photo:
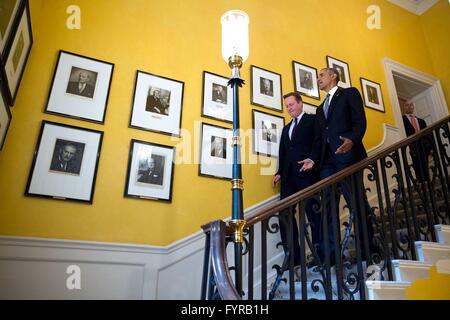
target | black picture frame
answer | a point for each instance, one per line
(150, 171)
(157, 114)
(372, 95)
(309, 108)
(217, 97)
(267, 129)
(5, 120)
(80, 87)
(9, 15)
(305, 80)
(65, 163)
(343, 69)
(216, 152)
(262, 79)
(15, 53)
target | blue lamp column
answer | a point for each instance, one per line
(235, 51)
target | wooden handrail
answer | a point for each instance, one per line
(224, 283)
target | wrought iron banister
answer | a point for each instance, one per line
(218, 231)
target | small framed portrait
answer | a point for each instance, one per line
(150, 171)
(342, 68)
(309, 108)
(8, 19)
(217, 100)
(372, 94)
(80, 87)
(65, 162)
(305, 80)
(5, 120)
(157, 104)
(216, 151)
(266, 89)
(267, 129)
(16, 39)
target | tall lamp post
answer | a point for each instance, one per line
(235, 52)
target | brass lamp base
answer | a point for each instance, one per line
(238, 227)
(235, 63)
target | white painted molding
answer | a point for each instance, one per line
(442, 232)
(409, 270)
(416, 7)
(35, 268)
(436, 92)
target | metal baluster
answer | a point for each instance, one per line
(251, 250)
(385, 165)
(337, 246)
(264, 259)
(302, 228)
(206, 258)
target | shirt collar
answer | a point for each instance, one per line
(332, 92)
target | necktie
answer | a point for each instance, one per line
(414, 123)
(326, 105)
(293, 129)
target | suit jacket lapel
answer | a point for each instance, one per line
(335, 98)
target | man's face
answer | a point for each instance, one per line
(151, 163)
(68, 152)
(326, 80)
(156, 94)
(266, 84)
(409, 107)
(293, 107)
(84, 77)
(218, 144)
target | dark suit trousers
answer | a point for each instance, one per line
(290, 186)
(331, 166)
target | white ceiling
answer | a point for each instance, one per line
(415, 6)
(408, 88)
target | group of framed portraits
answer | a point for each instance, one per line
(66, 157)
(305, 82)
(16, 40)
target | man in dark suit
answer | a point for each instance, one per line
(82, 87)
(64, 160)
(298, 143)
(341, 124)
(154, 102)
(413, 125)
(152, 175)
(219, 93)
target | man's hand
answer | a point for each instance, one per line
(275, 180)
(346, 146)
(307, 165)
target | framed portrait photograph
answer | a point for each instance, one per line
(266, 89)
(8, 18)
(342, 68)
(216, 151)
(17, 47)
(5, 120)
(305, 80)
(217, 102)
(150, 171)
(372, 94)
(65, 162)
(309, 108)
(80, 87)
(157, 104)
(267, 129)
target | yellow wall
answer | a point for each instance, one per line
(436, 28)
(435, 287)
(179, 39)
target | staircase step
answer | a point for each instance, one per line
(442, 233)
(387, 290)
(409, 271)
(431, 251)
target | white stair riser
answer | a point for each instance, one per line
(387, 294)
(443, 234)
(410, 274)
